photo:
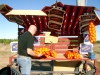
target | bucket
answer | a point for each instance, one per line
(91, 55)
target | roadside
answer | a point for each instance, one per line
(5, 53)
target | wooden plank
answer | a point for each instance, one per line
(37, 47)
(61, 47)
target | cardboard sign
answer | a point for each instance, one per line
(85, 48)
(50, 39)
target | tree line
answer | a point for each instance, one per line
(7, 41)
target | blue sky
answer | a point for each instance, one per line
(9, 30)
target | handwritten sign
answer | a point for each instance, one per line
(50, 39)
(85, 48)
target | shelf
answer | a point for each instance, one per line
(61, 57)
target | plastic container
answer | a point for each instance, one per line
(91, 55)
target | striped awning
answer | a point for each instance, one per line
(70, 23)
(71, 20)
(26, 18)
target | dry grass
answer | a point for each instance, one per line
(5, 53)
(96, 50)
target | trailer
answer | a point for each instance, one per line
(64, 29)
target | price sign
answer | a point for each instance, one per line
(50, 39)
(85, 48)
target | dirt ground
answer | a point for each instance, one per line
(5, 53)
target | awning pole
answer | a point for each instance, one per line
(18, 32)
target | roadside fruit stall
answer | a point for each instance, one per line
(65, 35)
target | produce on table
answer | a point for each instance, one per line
(72, 55)
(92, 32)
(46, 52)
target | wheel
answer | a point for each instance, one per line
(82, 69)
(91, 72)
(9, 71)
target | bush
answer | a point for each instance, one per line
(7, 41)
(97, 41)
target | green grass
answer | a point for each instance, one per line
(7, 41)
(97, 41)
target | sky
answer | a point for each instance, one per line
(9, 30)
